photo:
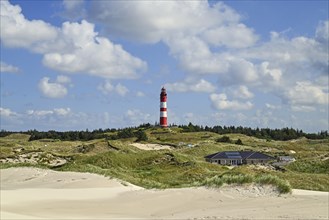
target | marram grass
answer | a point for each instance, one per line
(283, 186)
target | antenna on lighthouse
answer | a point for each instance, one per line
(163, 108)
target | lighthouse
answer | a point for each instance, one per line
(163, 108)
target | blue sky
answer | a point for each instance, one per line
(76, 65)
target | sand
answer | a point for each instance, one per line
(30, 193)
(151, 146)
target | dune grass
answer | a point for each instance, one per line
(185, 166)
(241, 179)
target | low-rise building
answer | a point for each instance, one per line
(238, 158)
(286, 159)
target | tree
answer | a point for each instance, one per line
(239, 142)
(141, 136)
(224, 139)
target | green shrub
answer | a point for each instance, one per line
(310, 166)
(238, 179)
(141, 136)
(282, 185)
(239, 142)
(213, 181)
(224, 139)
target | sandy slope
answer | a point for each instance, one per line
(151, 146)
(29, 193)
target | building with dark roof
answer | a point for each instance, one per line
(238, 158)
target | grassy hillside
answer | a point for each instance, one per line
(184, 164)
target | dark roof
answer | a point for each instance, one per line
(238, 155)
(211, 155)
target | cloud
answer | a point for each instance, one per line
(74, 9)
(273, 107)
(121, 90)
(63, 119)
(73, 48)
(107, 88)
(10, 119)
(302, 108)
(243, 93)
(240, 71)
(63, 79)
(195, 56)
(16, 31)
(136, 117)
(188, 28)
(306, 93)
(7, 68)
(52, 90)
(62, 111)
(44, 113)
(140, 94)
(153, 21)
(7, 113)
(186, 86)
(283, 53)
(270, 76)
(231, 36)
(94, 55)
(322, 33)
(220, 102)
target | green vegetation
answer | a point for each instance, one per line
(310, 166)
(111, 154)
(224, 139)
(283, 134)
(239, 179)
(282, 185)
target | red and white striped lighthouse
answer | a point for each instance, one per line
(163, 108)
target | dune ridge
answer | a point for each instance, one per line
(32, 193)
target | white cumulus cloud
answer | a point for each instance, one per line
(63, 79)
(140, 94)
(62, 111)
(136, 117)
(17, 31)
(242, 92)
(92, 54)
(231, 36)
(322, 32)
(306, 93)
(220, 102)
(73, 48)
(52, 90)
(43, 113)
(194, 86)
(152, 21)
(7, 68)
(74, 9)
(107, 88)
(7, 113)
(273, 107)
(188, 28)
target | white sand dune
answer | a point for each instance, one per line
(151, 146)
(29, 193)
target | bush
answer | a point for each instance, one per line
(310, 166)
(238, 179)
(213, 181)
(239, 142)
(224, 139)
(141, 136)
(282, 185)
